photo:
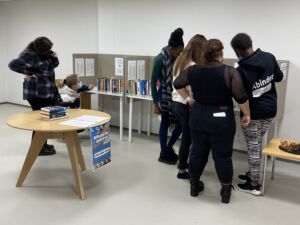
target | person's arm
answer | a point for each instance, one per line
(183, 92)
(182, 80)
(156, 72)
(245, 120)
(54, 59)
(83, 88)
(278, 74)
(23, 64)
(240, 95)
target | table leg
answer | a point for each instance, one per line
(273, 167)
(75, 162)
(121, 118)
(140, 118)
(34, 150)
(149, 118)
(79, 151)
(130, 121)
(264, 175)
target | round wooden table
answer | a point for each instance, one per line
(52, 129)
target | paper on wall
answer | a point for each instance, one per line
(141, 69)
(119, 66)
(90, 67)
(79, 66)
(131, 70)
(283, 68)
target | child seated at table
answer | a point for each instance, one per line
(69, 90)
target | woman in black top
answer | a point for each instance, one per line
(212, 121)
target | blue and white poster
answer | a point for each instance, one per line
(100, 145)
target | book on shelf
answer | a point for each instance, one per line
(139, 87)
(113, 84)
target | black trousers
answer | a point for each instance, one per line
(182, 113)
(215, 133)
(38, 103)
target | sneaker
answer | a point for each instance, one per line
(47, 150)
(226, 193)
(184, 175)
(243, 178)
(248, 188)
(196, 187)
(167, 159)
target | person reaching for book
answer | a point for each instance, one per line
(69, 90)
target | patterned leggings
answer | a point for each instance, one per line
(254, 134)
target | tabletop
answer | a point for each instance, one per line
(33, 121)
(273, 149)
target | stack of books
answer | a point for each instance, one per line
(140, 87)
(54, 112)
(113, 85)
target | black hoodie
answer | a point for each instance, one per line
(259, 72)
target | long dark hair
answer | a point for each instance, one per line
(41, 45)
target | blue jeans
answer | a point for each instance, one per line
(166, 145)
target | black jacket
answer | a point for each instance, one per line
(259, 72)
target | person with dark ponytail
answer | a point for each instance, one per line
(212, 121)
(162, 96)
(37, 62)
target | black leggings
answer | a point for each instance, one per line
(182, 113)
(211, 132)
(38, 103)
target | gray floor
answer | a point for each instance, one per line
(133, 189)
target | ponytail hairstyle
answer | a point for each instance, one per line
(192, 52)
(213, 50)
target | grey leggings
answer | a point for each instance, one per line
(254, 134)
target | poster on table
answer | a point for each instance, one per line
(101, 148)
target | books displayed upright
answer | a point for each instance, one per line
(139, 87)
(53, 112)
(113, 85)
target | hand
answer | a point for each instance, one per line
(245, 121)
(156, 109)
(91, 86)
(27, 77)
(191, 102)
(53, 54)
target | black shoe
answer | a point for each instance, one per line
(244, 178)
(196, 187)
(49, 146)
(226, 192)
(166, 158)
(172, 154)
(248, 188)
(184, 175)
(47, 150)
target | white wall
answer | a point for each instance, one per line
(143, 27)
(2, 53)
(70, 24)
